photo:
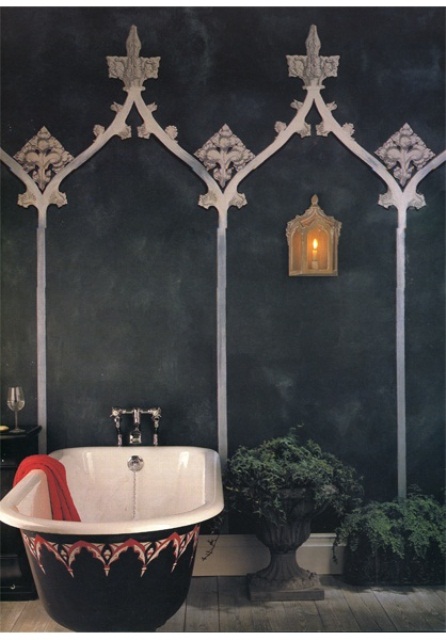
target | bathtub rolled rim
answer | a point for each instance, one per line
(10, 515)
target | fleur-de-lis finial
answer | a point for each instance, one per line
(132, 69)
(313, 68)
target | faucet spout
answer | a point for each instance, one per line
(135, 435)
(116, 415)
(156, 415)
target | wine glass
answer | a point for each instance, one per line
(16, 402)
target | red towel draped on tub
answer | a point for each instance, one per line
(62, 505)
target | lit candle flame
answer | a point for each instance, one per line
(315, 262)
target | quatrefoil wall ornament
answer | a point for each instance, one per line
(223, 153)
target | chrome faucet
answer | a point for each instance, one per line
(116, 415)
(136, 434)
(156, 415)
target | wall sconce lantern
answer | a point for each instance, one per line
(313, 243)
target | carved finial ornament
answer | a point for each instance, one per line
(407, 150)
(133, 70)
(313, 68)
(223, 153)
(44, 156)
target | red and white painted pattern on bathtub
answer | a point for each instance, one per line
(109, 552)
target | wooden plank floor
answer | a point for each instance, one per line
(221, 604)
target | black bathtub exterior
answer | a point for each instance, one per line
(128, 582)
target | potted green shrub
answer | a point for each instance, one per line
(398, 542)
(282, 485)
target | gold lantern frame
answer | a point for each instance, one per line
(313, 243)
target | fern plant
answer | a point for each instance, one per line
(415, 523)
(269, 481)
(401, 541)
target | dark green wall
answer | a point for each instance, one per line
(131, 259)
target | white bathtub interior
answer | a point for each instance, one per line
(177, 486)
(172, 481)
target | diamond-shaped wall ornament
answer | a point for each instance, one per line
(44, 156)
(403, 152)
(223, 153)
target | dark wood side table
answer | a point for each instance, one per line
(16, 582)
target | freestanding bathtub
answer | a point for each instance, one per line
(127, 565)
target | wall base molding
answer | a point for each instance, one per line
(237, 555)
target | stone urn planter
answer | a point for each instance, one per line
(283, 578)
(282, 485)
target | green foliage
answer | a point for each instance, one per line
(267, 481)
(410, 526)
